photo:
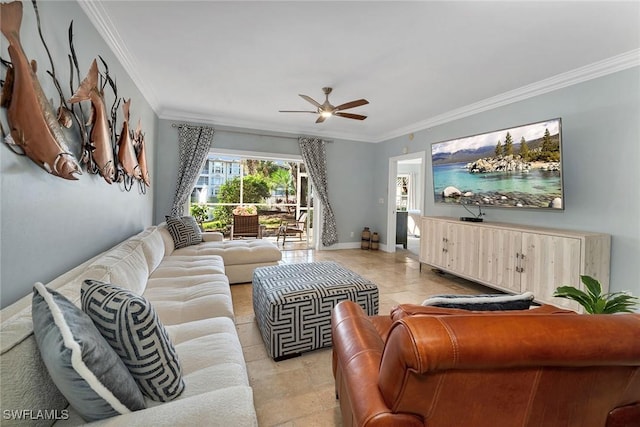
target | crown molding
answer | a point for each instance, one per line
(589, 72)
(101, 21)
(182, 116)
(103, 24)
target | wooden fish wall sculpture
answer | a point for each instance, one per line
(100, 148)
(138, 139)
(35, 129)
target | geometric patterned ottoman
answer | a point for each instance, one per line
(293, 304)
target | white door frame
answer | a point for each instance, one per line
(391, 195)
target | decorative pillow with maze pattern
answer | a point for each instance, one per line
(82, 365)
(488, 302)
(131, 326)
(184, 230)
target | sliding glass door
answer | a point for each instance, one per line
(278, 188)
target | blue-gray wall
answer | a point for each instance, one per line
(601, 155)
(48, 224)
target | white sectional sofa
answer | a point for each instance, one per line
(240, 257)
(191, 295)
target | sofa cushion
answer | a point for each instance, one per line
(488, 302)
(236, 252)
(184, 230)
(152, 246)
(179, 266)
(184, 299)
(126, 265)
(211, 354)
(81, 363)
(131, 326)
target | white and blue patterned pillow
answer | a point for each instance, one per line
(131, 326)
(184, 231)
(83, 366)
(489, 302)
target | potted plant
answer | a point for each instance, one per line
(594, 301)
(246, 210)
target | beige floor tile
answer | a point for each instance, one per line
(299, 392)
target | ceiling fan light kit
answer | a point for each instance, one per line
(326, 110)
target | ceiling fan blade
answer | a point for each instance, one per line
(311, 100)
(350, 116)
(352, 104)
(321, 119)
(297, 111)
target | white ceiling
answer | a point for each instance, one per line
(419, 63)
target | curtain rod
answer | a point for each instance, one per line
(177, 125)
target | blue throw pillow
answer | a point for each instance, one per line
(489, 302)
(83, 366)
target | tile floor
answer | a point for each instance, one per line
(300, 391)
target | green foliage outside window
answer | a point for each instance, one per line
(255, 190)
(200, 212)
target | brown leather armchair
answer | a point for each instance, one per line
(436, 367)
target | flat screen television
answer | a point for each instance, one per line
(518, 167)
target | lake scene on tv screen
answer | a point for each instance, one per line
(519, 167)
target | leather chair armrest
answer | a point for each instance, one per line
(625, 416)
(357, 351)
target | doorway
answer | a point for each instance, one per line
(405, 202)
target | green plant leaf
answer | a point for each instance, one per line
(620, 302)
(572, 293)
(599, 307)
(593, 286)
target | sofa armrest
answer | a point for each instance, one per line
(231, 406)
(212, 236)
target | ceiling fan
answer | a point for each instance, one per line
(327, 110)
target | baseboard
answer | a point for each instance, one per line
(337, 246)
(351, 245)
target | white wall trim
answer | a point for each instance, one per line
(103, 24)
(588, 72)
(338, 246)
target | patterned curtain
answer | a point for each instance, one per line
(195, 142)
(315, 158)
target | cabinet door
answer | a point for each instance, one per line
(462, 249)
(432, 242)
(549, 262)
(499, 258)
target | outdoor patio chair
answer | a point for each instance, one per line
(246, 226)
(288, 228)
